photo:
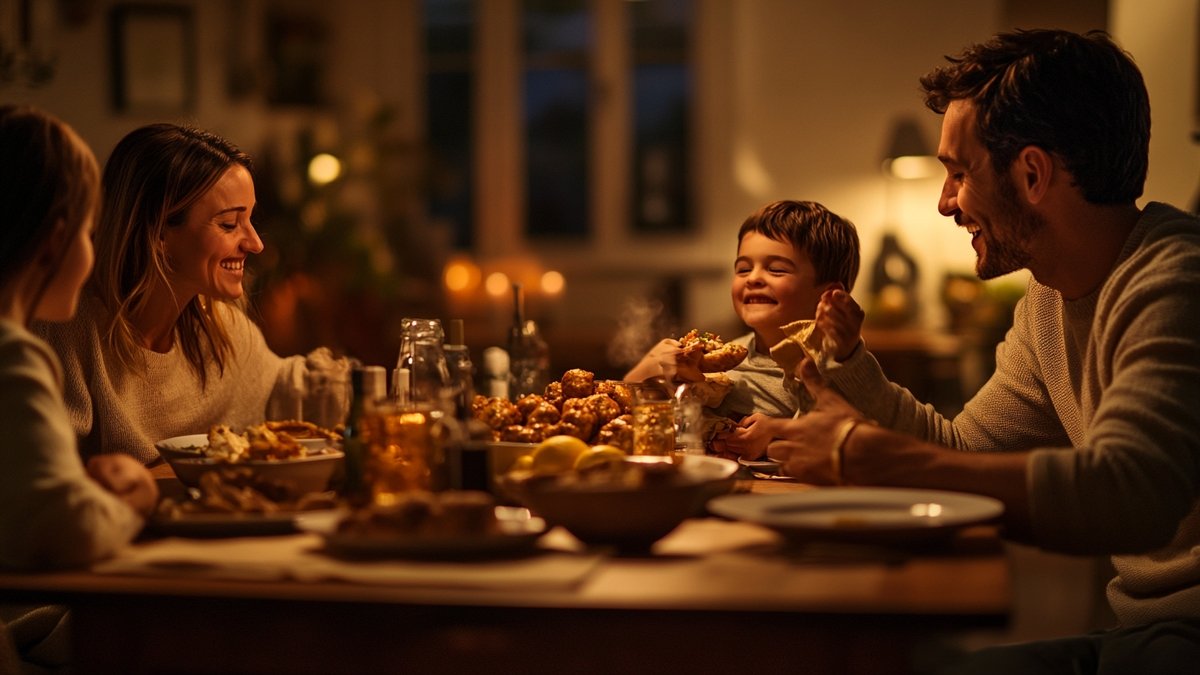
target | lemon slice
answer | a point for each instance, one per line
(599, 455)
(557, 454)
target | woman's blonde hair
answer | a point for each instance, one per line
(47, 175)
(151, 180)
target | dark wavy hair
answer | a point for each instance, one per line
(830, 240)
(1080, 97)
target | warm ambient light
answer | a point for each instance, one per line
(553, 283)
(497, 284)
(324, 169)
(911, 167)
(460, 275)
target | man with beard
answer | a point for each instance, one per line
(1089, 430)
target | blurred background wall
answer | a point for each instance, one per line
(439, 114)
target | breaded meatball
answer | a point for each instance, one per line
(528, 403)
(578, 383)
(544, 413)
(618, 432)
(534, 433)
(617, 391)
(574, 404)
(554, 394)
(512, 433)
(603, 407)
(500, 413)
(577, 422)
(478, 403)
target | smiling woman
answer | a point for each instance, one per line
(162, 345)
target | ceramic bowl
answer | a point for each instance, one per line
(310, 473)
(194, 446)
(628, 518)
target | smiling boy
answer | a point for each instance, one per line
(789, 253)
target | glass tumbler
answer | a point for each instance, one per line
(404, 451)
(653, 421)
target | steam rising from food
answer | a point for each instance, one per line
(642, 324)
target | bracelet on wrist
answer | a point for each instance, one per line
(837, 455)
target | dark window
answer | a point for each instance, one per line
(557, 41)
(449, 47)
(662, 99)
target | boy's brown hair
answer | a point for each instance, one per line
(830, 240)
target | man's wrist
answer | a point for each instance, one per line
(837, 455)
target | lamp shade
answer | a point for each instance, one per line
(908, 155)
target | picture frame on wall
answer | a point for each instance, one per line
(152, 51)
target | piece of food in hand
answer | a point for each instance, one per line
(712, 391)
(718, 355)
(801, 338)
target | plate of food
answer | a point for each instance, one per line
(275, 455)
(456, 524)
(235, 502)
(889, 515)
(270, 439)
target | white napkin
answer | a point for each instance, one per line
(298, 557)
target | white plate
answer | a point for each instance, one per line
(518, 532)
(860, 514)
(764, 465)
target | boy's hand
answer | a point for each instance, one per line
(750, 438)
(126, 478)
(670, 360)
(840, 318)
(651, 365)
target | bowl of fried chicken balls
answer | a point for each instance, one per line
(579, 405)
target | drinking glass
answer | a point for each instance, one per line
(653, 420)
(404, 450)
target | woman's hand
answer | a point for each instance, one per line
(126, 478)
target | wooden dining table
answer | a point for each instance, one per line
(713, 596)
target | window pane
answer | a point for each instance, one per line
(662, 115)
(449, 29)
(557, 39)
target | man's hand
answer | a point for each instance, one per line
(840, 318)
(125, 477)
(807, 441)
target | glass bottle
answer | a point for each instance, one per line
(467, 453)
(428, 372)
(462, 370)
(354, 485)
(413, 331)
(529, 356)
(517, 361)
